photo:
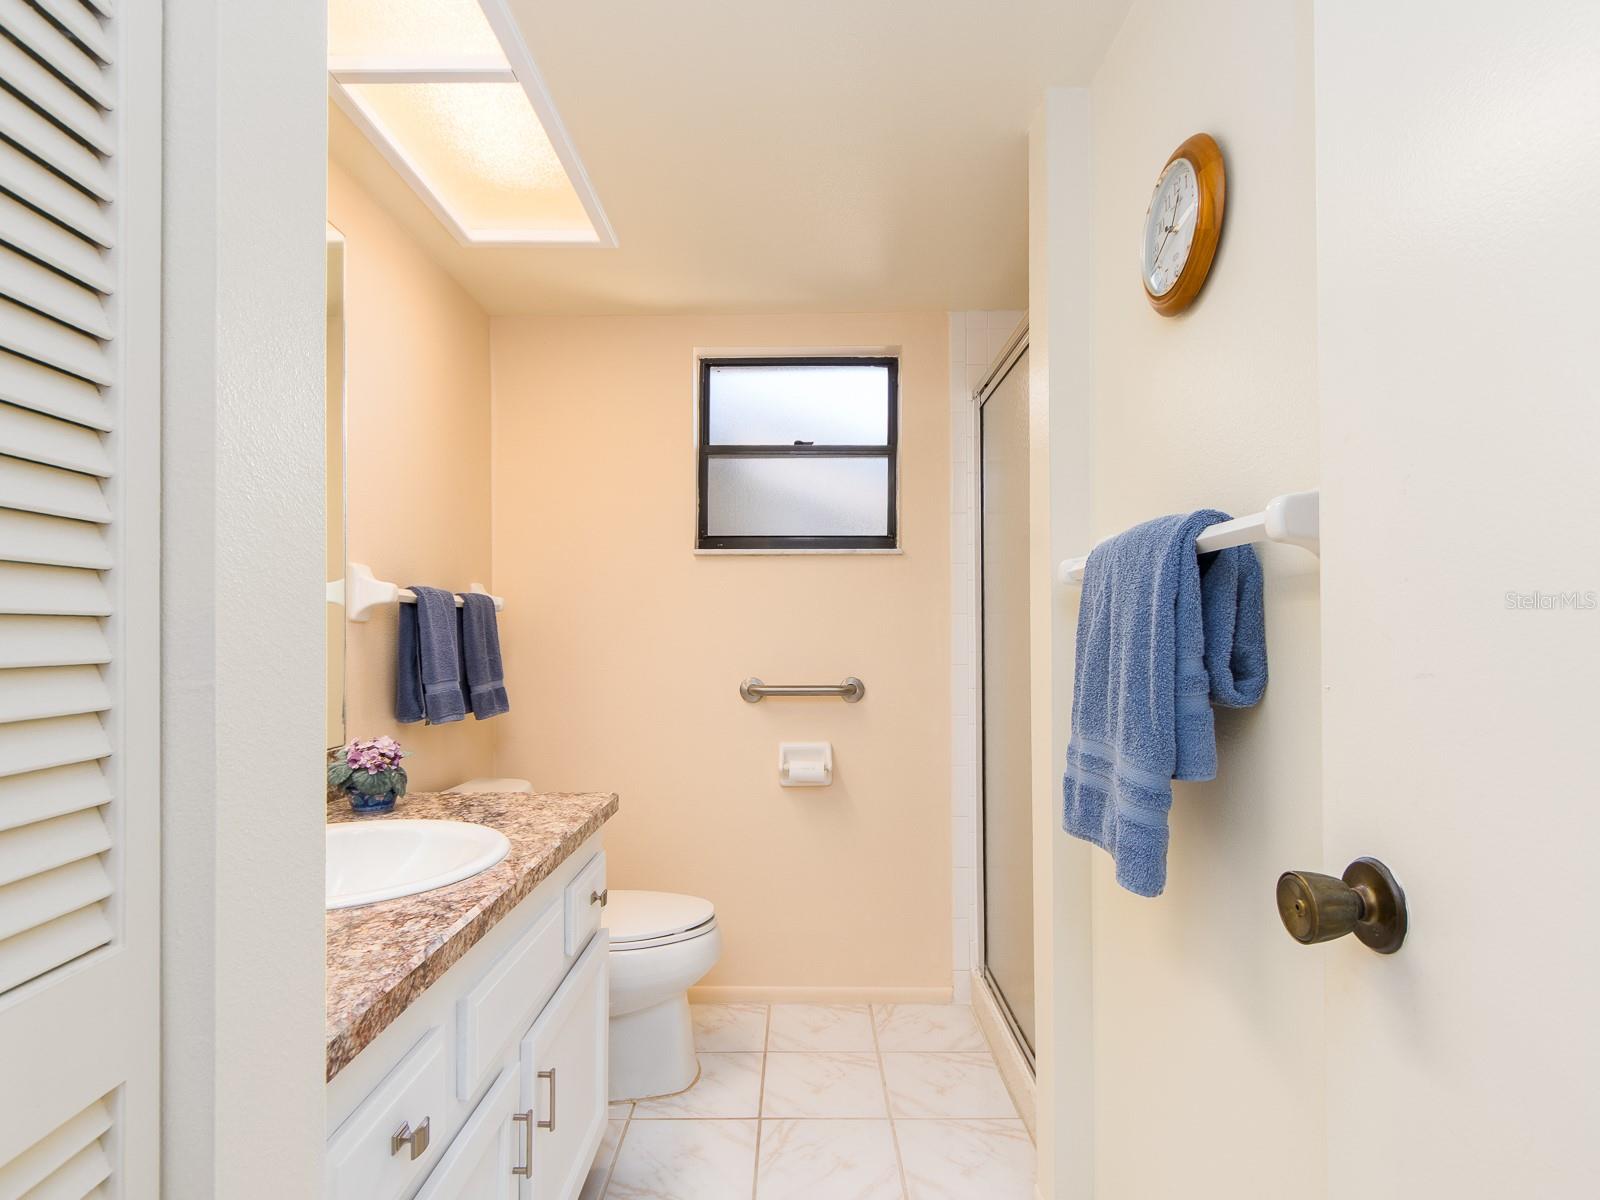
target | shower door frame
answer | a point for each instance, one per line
(1002, 366)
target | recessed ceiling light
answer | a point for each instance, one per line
(448, 92)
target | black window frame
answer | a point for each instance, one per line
(890, 452)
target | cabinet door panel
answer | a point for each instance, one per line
(478, 1164)
(564, 1074)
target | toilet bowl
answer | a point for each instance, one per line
(661, 945)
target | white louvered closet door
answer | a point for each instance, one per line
(80, 303)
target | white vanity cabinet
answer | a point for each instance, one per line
(500, 1064)
(564, 1077)
(481, 1163)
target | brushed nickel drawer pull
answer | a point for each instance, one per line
(551, 1076)
(417, 1138)
(526, 1169)
(600, 898)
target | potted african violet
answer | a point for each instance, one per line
(368, 771)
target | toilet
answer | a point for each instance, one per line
(661, 945)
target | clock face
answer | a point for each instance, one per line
(1169, 227)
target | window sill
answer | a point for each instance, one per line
(780, 552)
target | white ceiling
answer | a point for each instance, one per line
(781, 155)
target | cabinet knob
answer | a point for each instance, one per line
(600, 898)
(417, 1138)
(1366, 902)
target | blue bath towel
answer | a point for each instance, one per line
(1161, 635)
(482, 674)
(427, 678)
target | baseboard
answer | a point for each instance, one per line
(1014, 1067)
(819, 995)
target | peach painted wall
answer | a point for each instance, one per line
(624, 650)
(417, 390)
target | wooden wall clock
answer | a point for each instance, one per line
(1182, 225)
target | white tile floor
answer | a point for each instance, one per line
(825, 1102)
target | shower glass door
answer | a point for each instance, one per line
(1007, 803)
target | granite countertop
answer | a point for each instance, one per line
(382, 956)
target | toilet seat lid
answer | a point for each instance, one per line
(642, 916)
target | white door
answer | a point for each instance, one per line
(492, 1145)
(80, 422)
(564, 1077)
(1457, 198)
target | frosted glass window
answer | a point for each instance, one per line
(798, 454)
(781, 404)
(797, 497)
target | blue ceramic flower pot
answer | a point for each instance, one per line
(362, 803)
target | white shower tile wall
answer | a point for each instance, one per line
(976, 339)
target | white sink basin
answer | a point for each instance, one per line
(381, 860)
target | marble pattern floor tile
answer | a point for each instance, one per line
(967, 1160)
(685, 1160)
(720, 1028)
(949, 1027)
(594, 1187)
(823, 1085)
(824, 1102)
(729, 1086)
(828, 1160)
(959, 1086)
(837, 1027)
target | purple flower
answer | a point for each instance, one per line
(373, 754)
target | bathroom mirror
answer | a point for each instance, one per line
(335, 490)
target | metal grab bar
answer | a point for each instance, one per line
(850, 691)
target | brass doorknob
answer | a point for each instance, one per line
(1366, 902)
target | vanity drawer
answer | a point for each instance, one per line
(364, 1162)
(498, 1008)
(585, 898)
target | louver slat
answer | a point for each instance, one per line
(35, 387)
(35, 641)
(53, 944)
(41, 795)
(32, 850)
(41, 137)
(56, 247)
(54, 295)
(35, 1166)
(29, 538)
(35, 693)
(25, 332)
(57, 199)
(63, 55)
(67, 106)
(35, 745)
(82, 26)
(42, 439)
(52, 591)
(29, 486)
(42, 898)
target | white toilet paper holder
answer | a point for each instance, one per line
(805, 764)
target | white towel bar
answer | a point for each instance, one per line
(1292, 519)
(362, 592)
